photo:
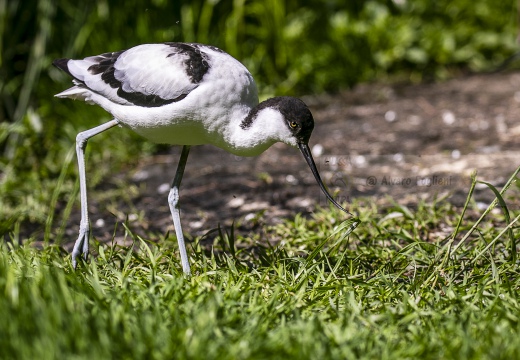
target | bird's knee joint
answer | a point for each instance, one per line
(84, 227)
(81, 140)
(173, 196)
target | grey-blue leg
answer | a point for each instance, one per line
(81, 245)
(173, 201)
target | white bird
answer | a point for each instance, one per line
(183, 94)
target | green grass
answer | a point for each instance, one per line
(431, 282)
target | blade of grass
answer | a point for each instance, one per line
(489, 208)
(505, 210)
(464, 209)
(504, 230)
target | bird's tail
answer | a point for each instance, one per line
(78, 92)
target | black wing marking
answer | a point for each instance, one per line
(146, 75)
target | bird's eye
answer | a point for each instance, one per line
(294, 124)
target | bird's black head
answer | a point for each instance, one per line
(300, 122)
(298, 118)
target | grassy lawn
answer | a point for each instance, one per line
(431, 282)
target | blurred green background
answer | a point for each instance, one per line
(291, 47)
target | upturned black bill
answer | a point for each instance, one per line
(304, 148)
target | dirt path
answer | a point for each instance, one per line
(409, 142)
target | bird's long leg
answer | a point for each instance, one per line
(81, 245)
(173, 201)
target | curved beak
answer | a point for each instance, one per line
(304, 148)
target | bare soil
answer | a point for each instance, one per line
(379, 142)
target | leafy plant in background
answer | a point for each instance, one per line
(291, 47)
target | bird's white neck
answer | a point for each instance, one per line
(255, 132)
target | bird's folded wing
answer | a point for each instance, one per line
(146, 75)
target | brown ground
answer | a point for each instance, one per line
(408, 141)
